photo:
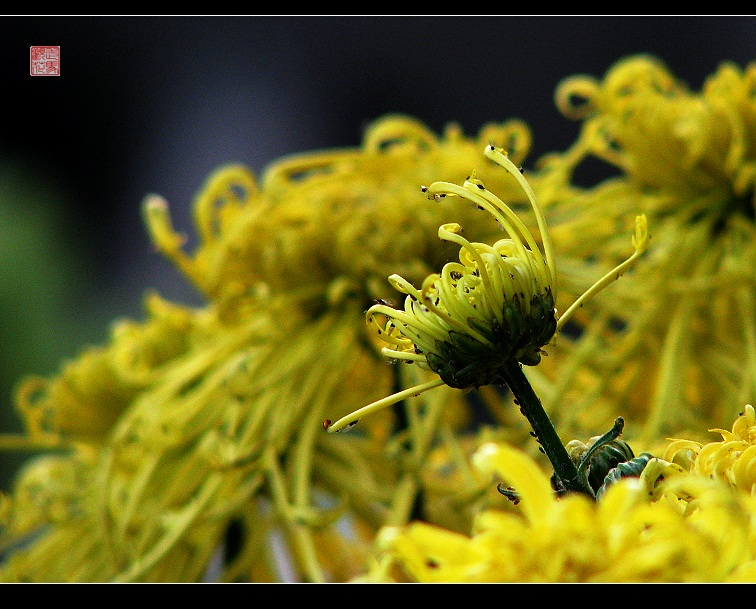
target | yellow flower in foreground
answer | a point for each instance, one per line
(667, 525)
(675, 349)
(192, 440)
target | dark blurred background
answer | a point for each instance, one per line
(154, 104)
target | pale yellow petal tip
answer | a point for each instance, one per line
(158, 220)
(494, 152)
(386, 537)
(451, 228)
(485, 458)
(350, 420)
(156, 212)
(641, 237)
(154, 201)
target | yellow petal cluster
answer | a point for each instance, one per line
(733, 460)
(495, 303)
(667, 525)
(347, 217)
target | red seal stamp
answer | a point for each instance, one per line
(44, 61)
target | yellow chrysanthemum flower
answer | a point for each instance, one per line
(478, 321)
(198, 431)
(666, 525)
(676, 349)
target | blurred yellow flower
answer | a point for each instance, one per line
(193, 439)
(675, 349)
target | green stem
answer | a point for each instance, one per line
(565, 470)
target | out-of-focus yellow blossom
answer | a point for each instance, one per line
(194, 438)
(81, 404)
(675, 349)
(669, 524)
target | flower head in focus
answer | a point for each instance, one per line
(503, 291)
(491, 310)
(496, 303)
